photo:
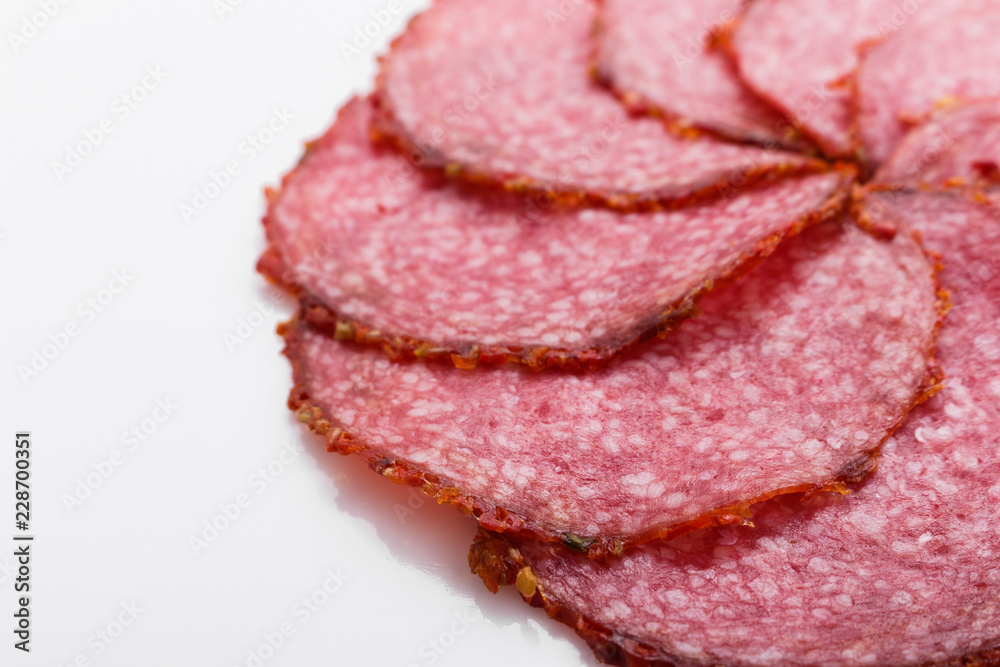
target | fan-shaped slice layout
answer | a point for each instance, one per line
(936, 55)
(659, 56)
(423, 266)
(903, 572)
(501, 92)
(789, 380)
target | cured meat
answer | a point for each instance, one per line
(957, 147)
(798, 54)
(388, 254)
(906, 571)
(787, 381)
(939, 53)
(658, 56)
(500, 92)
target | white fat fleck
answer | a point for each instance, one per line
(902, 599)
(676, 499)
(820, 565)
(639, 479)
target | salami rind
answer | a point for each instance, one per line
(658, 56)
(903, 572)
(938, 54)
(788, 381)
(799, 55)
(958, 147)
(499, 92)
(385, 254)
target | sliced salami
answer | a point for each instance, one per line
(659, 57)
(500, 92)
(798, 54)
(959, 147)
(788, 381)
(427, 267)
(936, 54)
(906, 571)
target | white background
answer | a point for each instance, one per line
(164, 337)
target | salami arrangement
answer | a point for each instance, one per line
(460, 90)
(686, 433)
(903, 571)
(693, 307)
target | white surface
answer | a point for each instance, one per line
(163, 337)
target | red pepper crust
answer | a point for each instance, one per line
(498, 563)
(397, 347)
(495, 518)
(387, 129)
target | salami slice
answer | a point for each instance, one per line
(500, 92)
(906, 571)
(958, 147)
(388, 254)
(789, 380)
(658, 56)
(798, 54)
(938, 53)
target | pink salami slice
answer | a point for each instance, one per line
(658, 56)
(500, 92)
(937, 53)
(788, 380)
(957, 147)
(906, 571)
(798, 54)
(391, 255)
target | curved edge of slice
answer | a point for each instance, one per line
(862, 208)
(386, 129)
(786, 136)
(468, 356)
(495, 518)
(498, 562)
(937, 138)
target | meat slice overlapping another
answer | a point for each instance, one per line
(426, 267)
(801, 54)
(789, 380)
(957, 147)
(659, 56)
(935, 54)
(500, 92)
(905, 571)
